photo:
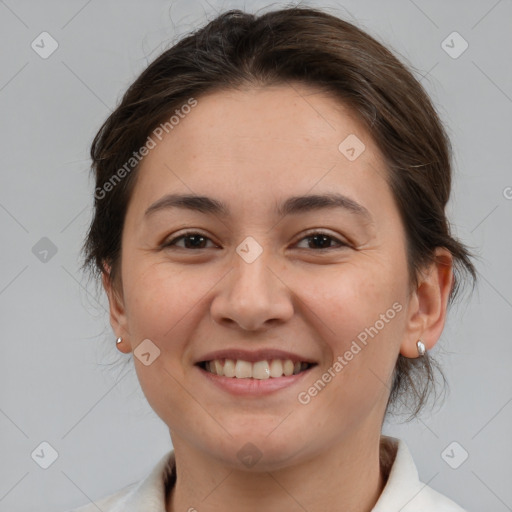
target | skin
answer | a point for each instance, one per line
(252, 148)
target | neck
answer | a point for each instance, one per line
(346, 477)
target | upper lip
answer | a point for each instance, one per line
(254, 355)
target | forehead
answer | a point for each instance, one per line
(275, 140)
(237, 123)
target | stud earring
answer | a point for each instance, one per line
(421, 348)
(119, 340)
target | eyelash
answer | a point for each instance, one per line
(312, 234)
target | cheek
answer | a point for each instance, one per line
(162, 305)
(158, 299)
(361, 312)
(353, 297)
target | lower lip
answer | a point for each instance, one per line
(250, 386)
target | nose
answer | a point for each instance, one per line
(252, 296)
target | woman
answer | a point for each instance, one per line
(270, 230)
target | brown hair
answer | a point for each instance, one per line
(308, 46)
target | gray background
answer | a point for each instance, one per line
(62, 379)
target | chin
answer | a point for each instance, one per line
(257, 450)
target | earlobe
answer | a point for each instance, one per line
(116, 306)
(428, 305)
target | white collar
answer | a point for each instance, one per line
(403, 491)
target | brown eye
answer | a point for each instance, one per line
(192, 240)
(321, 241)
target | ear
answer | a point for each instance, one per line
(118, 319)
(428, 304)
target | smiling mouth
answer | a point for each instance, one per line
(261, 370)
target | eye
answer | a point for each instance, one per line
(193, 240)
(323, 239)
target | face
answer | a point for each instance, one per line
(265, 278)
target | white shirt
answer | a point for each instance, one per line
(403, 492)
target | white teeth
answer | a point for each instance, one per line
(218, 369)
(260, 370)
(288, 367)
(243, 369)
(229, 368)
(276, 368)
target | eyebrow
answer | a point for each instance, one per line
(291, 206)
